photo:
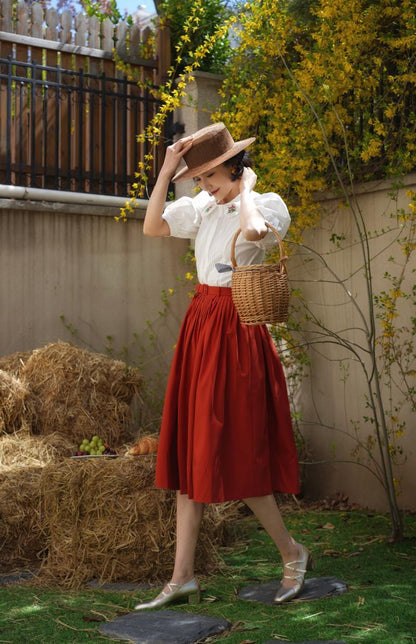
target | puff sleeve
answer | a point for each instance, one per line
(275, 212)
(184, 215)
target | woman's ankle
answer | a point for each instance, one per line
(292, 552)
(182, 577)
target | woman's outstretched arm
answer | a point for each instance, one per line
(154, 224)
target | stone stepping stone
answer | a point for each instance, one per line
(15, 578)
(316, 588)
(164, 627)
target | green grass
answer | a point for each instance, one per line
(378, 608)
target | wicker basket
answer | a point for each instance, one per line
(261, 291)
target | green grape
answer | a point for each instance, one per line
(94, 447)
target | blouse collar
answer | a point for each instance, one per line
(229, 207)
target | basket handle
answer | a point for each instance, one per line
(283, 255)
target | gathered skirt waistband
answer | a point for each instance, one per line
(204, 289)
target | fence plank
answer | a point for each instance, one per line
(37, 20)
(66, 24)
(107, 35)
(80, 29)
(121, 40)
(94, 32)
(52, 21)
(6, 15)
(22, 24)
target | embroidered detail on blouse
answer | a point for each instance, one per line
(232, 208)
(210, 207)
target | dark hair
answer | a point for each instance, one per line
(238, 163)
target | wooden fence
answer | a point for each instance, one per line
(69, 118)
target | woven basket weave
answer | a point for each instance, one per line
(260, 292)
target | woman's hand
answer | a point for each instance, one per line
(251, 221)
(154, 225)
(174, 154)
(248, 180)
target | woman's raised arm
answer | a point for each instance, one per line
(154, 224)
(251, 221)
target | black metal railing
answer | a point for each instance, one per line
(71, 130)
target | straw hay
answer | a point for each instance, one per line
(106, 520)
(80, 393)
(15, 362)
(18, 451)
(83, 518)
(21, 534)
(22, 458)
(17, 409)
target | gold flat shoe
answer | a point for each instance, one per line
(298, 568)
(174, 592)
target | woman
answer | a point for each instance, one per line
(226, 430)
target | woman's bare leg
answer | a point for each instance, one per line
(267, 511)
(188, 522)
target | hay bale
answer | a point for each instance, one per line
(22, 457)
(17, 408)
(105, 520)
(18, 450)
(15, 362)
(80, 393)
(21, 534)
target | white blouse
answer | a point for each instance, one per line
(213, 226)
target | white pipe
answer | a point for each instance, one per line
(83, 198)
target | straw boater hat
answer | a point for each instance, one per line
(211, 146)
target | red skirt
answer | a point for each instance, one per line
(226, 430)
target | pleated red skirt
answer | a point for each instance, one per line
(226, 430)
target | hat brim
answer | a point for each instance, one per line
(187, 173)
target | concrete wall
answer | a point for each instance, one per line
(105, 277)
(333, 396)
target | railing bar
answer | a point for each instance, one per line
(115, 159)
(33, 128)
(146, 120)
(57, 126)
(68, 138)
(44, 137)
(20, 127)
(136, 104)
(57, 129)
(91, 139)
(9, 124)
(103, 137)
(124, 135)
(80, 131)
(71, 73)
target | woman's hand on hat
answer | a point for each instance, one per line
(175, 152)
(248, 180)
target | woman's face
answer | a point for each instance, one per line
(217, 181)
